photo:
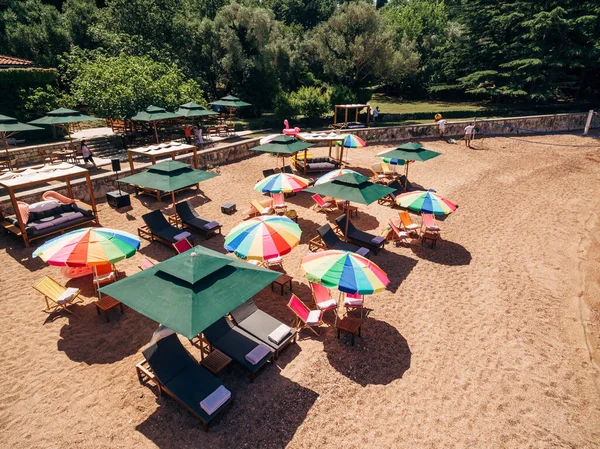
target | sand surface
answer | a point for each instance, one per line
(485, 341)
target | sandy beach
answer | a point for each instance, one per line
(486, 341)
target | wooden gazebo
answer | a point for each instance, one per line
(352, 124)
(66, 172)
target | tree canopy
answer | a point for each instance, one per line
(277, 54)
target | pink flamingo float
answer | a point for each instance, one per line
(290, 131)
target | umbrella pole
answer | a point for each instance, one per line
(155, 132)
(5, 143)
(173, 198)
(406, 175)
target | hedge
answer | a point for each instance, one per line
(18, 78)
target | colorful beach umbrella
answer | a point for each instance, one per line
(333, 174)
(263, 238)
(427, 202)
(88, 247)
(281, 182)
(352, 141)
(346, 271)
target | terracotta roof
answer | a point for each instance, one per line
(11, 61)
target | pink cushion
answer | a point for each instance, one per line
(23, 211)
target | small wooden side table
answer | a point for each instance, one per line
(350, 325)
(282, 281)
(430, 237)
(105, 303)
(215, 361)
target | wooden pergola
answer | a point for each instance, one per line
(39, 177)
(346, 108)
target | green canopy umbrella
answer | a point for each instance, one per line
(230, 102)
(192, 290)
(154, 114)
(352, 187)
(9, 127)
(405, 153)
(283, 146)
(62, 118)
(168, 176)
(194, 110)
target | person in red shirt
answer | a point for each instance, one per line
(188, 134)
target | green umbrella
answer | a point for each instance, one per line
(192, 290)
(194, 110)
(352, 187)
(283, 146)
(9, 127)
(230, 102)
(154, 114)
(168, 176)
(62, 118)
(407, 152)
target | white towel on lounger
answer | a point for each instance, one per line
(67, 295)
(215, 400)
(279, 334)
(257, 354)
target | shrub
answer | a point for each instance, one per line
(311, 102)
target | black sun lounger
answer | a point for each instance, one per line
(260, 324)
(391, 198)
(180, 376)
(189, 218)
(333, 241)
(158, 228)
(235, 343)
(371, 241)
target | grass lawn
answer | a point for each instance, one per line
(391, 105)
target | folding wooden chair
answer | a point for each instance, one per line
(103, 274)
(305, 318)
(322, 298)
(57, 296)
(182, 246)
(407, 224)
(320, 204)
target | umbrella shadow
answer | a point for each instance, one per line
(264, 414)
(90, 339)
(444, 253)
(363, 221)
(379, 357)
(397, 266)
(15, 248)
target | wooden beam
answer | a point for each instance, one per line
(88, 181)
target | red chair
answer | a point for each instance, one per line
(182, 246)
(146, 263)
(279, 201)
(103, 274)
(398, 235)
(305, 318)
(323, 299)
(354, 301)
(322, 205)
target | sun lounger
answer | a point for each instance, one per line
(305, 318)
(268, 172)
(236, 343)
(322, 205)
(398, 236)
(158, 228)
(191, 219)
(323, 299)
(263, 326)
(328, 239)
(263, 207)
(288, 169)
(57, 296)
(391, 198)
(177, 374)
(279, 202)
(407, 224)
(371, 241)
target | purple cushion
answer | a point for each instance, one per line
(42, 226)
(211, 225)
(377, 240)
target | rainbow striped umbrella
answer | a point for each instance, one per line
(352, 141)
(263, 238)
(281, 182)
(346, 271)
(88, 247)
(428, 202)
(333, 174)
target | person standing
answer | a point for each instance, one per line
(442, 126)
(188, 134)
(375, 114)
(87, 154)
(199, 139)
(469, 133)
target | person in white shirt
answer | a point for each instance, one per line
(442, 126)
(469, 133)
(375, 114)
(87, 154)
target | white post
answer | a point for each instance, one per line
(588, 122)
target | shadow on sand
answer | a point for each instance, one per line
(444, 253)
(381, 356)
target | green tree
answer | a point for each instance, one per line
(355, 46)
(33, 30)
(79, 17)
(306, 13)
(117, 87)
(311, 102)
